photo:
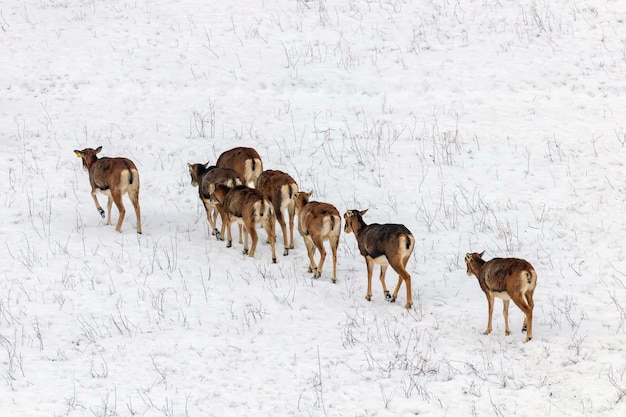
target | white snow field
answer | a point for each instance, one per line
(478, 124)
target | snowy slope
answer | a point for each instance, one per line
(480, 125)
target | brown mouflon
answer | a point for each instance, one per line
(281, 190)
(112, 177)
(317, 222)
(245, 161)
(384, 245)
(202, 176)
(247, 207)
(508, 279)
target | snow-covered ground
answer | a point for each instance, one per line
(478, 124)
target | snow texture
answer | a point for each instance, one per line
(478, 124)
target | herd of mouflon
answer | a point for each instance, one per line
(224, 189)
